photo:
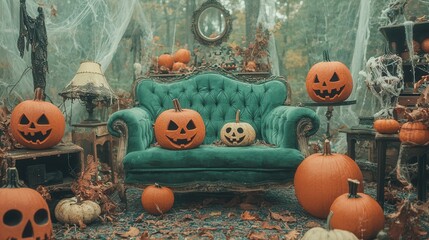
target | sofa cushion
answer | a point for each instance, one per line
(216, 97)
(213, 158)
(247, 166)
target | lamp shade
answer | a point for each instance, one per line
(89, 82)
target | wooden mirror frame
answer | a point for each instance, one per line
(228, 24)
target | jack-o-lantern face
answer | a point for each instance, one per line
(237, 133)
(37, 124)
(24, 214)
(179, 128)
(329, 82)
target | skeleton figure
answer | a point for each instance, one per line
(394, 9)
(34, 30)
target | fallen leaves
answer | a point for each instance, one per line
(247, 216)
(132, 232)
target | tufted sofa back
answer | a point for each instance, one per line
(216, 97)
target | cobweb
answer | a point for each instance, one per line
(77, 31)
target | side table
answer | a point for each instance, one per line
(354, 135)
(55, 168)
(95, 140)
(381, 141)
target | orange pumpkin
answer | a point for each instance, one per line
(37, 124)
(165, 60)
(179, 66)
(357, 213)
(414, 133)
(387, 126)
(24, 214)
(182, 55)
(179, 128)
(330, 169)
(329, 81)
(157, 199)
(425, 45)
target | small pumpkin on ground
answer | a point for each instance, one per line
(165, 60)
(318, 233)
(414, 133)
(237, 133)
(24, 214)
(329, 81)
(72, 211)
(321, 178)
(358, 213)
(387, 126)
(157, 199)
(37, 124)
(179, 128)
(182, 55)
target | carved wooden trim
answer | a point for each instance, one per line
(117, 163)
(303, 128)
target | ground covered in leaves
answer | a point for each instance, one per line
(275, 214)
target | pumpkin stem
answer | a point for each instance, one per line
(327, 148)
(237, 116)
(12, 178)
(177, 106)
(353, 186)
(157, 185)
(328, 221)
(38, 94)
(326, 56)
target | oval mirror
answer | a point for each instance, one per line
(211, 23)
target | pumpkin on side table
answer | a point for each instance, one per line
(37, 124)
(414, 133)
(387, 126)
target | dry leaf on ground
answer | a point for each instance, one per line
(257, 236)
(249, 217)
(132, 232)
(266, 225)
(292, 235)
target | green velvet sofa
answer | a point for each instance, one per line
(282, 132)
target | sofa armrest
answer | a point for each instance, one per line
(291, 127)
(134, 126)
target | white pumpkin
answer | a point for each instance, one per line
(70, 211)
(318, 233)
(237, 133)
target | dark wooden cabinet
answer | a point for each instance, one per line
(396, 35)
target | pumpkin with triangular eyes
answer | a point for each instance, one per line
(179, 128)
(37, 124)
(235, 134)
(329, 81)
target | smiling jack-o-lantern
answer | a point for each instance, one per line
(179, 128)
(237, 133)
(329, 81)
(24, 214)
(37, 124)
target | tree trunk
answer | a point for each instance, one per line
(190, 8)
(252, 12)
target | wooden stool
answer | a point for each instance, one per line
(420, 152)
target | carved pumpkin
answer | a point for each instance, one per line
(318, 233)
(329, 81)
(237, 133)
(330, 169)
(37, 124)
(179, 66)
(414, 133)
(24, 214)
(165, 60)
(387, 126)
(71, 211)
(179, 128)
(182, 55)
(157, 199)
(358, 213)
